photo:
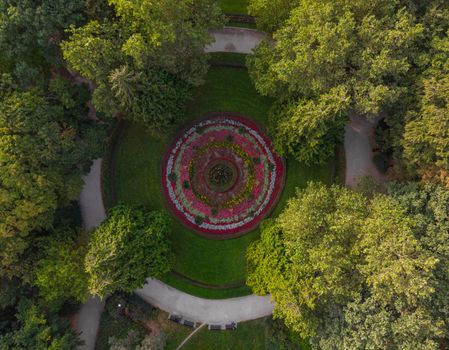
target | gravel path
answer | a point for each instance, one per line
(157, 293)
(238, 40)
(358, 150)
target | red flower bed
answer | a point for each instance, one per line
(221, 176)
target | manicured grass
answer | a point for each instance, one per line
(251, 335)
(248, 336)
(206, 292)
(227, 58)
(137, 180)
(234, 6)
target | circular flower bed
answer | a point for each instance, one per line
(221, 176)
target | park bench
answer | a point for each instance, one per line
(175, 318)
(214, 327)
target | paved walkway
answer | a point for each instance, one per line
(358, 150)
(238, 40)
(157, 293)
(202, 310)
(93, 213)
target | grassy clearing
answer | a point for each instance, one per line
(137, 180)
(234, 6)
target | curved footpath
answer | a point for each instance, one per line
(238, 40)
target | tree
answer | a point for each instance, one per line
(426, 136)
(368, 49)
(307, 263)
(44, 150)
(270, 15)
(130, 246)
(399, 308)
(356, 276)
(154, 97)
(145, 59)
(35, 331)
(309, 129)
(29, 35)
(60, 274)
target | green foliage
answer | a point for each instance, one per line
(44, 150)
(369, 50)
(387, 231)
(130, 246)
(354, 276)
(426, 136)
(60, 274)
(307, 261)
(153, 97)
(29, 35)
(309, 129)
(270, 14)
(144, 60)
(34, 330)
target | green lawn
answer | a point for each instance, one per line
(247, 336)
(234, 6)
(251, 335)
(137, 180)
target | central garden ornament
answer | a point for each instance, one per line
(221, 176)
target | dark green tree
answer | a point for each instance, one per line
(35, 330)
(144, 61)
(30, 32)
(44, 150)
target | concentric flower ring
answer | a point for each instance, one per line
(221, 176)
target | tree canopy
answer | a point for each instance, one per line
(145, 59)
(44, 150)
(129, 247)
(353, 273)
(373, 51)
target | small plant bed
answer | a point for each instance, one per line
(221, 176)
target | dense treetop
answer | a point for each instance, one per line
(353, 273)
(374, 59)
(144, 59)
(130, 246)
